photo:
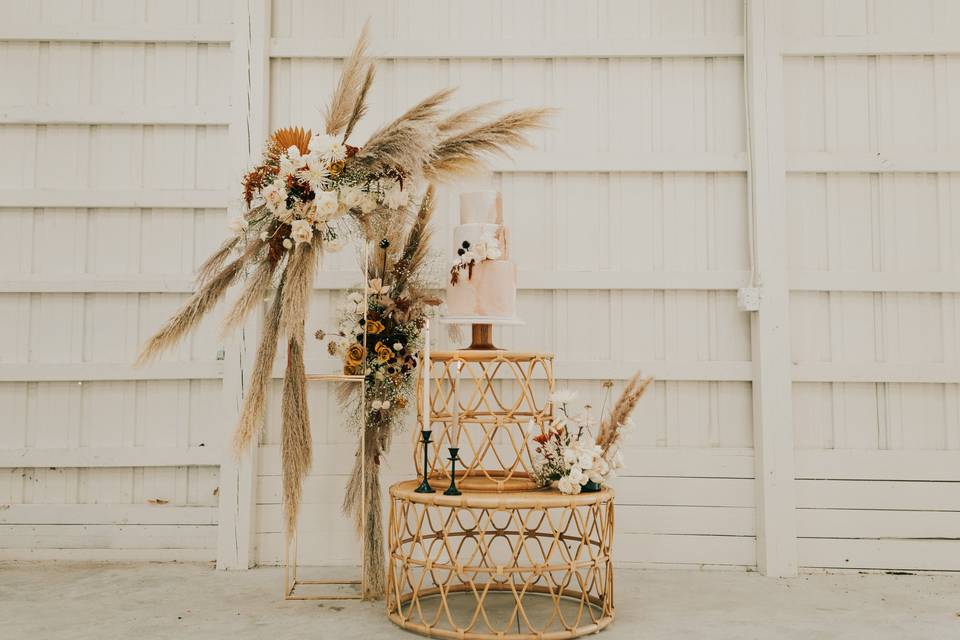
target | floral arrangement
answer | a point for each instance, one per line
(569, 455)
(469, 255)
(380, 336)
(309, 194)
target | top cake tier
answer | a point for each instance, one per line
(481, 207)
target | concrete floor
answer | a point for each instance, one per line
(64, 601)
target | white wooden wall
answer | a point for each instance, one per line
(631, 226)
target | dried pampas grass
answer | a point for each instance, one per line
(296, 450)
(351, 88)
(251, 416)
(466, 152)
(258, 285)
(296, 292)
(611, 428)
(190, 315)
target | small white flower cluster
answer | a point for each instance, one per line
(320, 169)
(572, 460)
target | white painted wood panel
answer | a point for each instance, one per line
(876, 418)
(114, 122)
(630, 219)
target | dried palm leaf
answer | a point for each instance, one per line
(344, 102)
(251, 416)
(283, 139)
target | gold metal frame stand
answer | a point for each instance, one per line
(291, 559)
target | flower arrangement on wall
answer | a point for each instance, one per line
(568, 453)
(311, 192)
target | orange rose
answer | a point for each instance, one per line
(374, 327)
(355, 355)
(384, 353)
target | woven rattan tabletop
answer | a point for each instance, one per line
(491, 355)
(536, 499)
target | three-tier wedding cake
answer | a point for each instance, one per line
(483, 279)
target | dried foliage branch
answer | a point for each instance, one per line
(344, 102)
(251, 415)
(192, 312)
(295, 447)
(611, 428)
(467, 152)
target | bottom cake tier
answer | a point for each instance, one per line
(510, 566)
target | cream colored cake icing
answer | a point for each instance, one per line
(483, 279)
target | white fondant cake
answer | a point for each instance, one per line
(483, 279)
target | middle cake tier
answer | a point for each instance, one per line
(490, 405)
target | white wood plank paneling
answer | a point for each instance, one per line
(873, 217)
(115, 113)
(127, 125)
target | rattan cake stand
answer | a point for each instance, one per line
(482, 401)
(500, 565)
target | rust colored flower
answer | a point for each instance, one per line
(375, 327)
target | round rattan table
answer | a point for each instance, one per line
(505, 565)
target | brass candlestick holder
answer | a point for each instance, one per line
(452, 489)
(425, 485)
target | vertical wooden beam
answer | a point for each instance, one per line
(772, 386)
(248, 128)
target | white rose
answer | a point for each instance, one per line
(301, 231)
(291, 161)
(601, 466)
(595, 476)
(397, 346)
(328, 147)
(368, 203)
(376, 404)
(238, 225)
(570, 455)
(327, 204)
(287, 243)
(385, 405)
(351, 196)
(568, 486)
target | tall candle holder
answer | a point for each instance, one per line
(425, 485)
(452, 489)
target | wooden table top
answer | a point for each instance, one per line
(491, 355)
(536, 499)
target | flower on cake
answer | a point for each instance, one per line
(470, 254)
